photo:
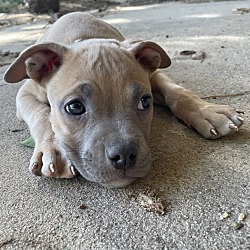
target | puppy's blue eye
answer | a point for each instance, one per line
(145, 102)
(75, 108)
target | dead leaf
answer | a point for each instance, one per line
(194, 55)
(187, 52)
(150, 202)
(29, 142)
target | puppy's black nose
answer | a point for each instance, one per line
(122, 156)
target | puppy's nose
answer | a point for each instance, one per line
(122, 156)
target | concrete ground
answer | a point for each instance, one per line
(196, 179)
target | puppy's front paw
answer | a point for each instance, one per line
(51, 161)
(214, 121)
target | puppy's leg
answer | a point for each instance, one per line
(49, 158)
(210, 120)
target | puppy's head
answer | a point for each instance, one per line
(101, 102)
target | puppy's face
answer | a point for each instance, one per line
(102, 112)
(101, 102)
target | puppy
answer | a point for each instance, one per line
(88, 101)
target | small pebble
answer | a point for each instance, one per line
(224, 215)
(241, 217)
(237, 226)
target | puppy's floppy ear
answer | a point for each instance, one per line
(149, 54)
(35, 62)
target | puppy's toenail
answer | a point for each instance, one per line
(233, 126)
(241, 119)
(213, 131)
(51, 167)
(34, 166)
(35, 169)
(72, 169)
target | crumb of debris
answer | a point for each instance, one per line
(201, 55)
(187, 52)
(5, 242)
(8, 53)
(241, 11)
(194, 55)
(241, 217)
(82, 206)
(237, 226)
(150, 202)
(224, 216)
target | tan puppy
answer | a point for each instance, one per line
(89, 101)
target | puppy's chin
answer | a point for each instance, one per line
(118, 183)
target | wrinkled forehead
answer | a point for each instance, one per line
(103, 63)
(104, 57)
(106, 66)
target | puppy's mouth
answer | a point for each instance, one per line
(111, 178)
(120, 183)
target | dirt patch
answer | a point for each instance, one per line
(7, 57)
(7, 20)
(22, 14)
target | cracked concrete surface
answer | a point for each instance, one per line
(197, 179)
